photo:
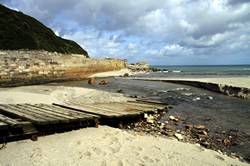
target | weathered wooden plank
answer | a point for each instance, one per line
(52, 112)
(34, 113)
(9, 121)
(93, 106)
(151, 101)
(14, 107)
(22, 115)
(91, 110)
(67, 112)
(147, 105)
(121, 108)
(3, 126)
(105, 110)
(43, 113)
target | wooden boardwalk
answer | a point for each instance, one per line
(21, 121)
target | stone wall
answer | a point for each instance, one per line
(224, 89)
(35, 67)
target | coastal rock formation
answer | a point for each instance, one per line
(240, 92)
(139, 66)
(35, 67)
(20, 31)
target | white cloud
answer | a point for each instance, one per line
(163, 28)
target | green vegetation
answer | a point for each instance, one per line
(20, 31)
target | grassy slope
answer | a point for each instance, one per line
(19, 31)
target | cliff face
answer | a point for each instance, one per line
(36, 67)
(20, 31)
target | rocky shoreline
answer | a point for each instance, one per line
(176, 127)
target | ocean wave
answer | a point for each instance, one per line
(176, 71)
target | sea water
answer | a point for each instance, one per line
(205, 70)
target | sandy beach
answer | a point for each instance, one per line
(109, 146)
(112, 73)
(97, 146)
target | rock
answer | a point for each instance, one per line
(203, 132)
(187, 94)
(162, 126)
(126, 75)
(196, 99)
(103, 82)
(210, 98)
(145, 115)
(34, 138)
(205, 144)
(119, 91)
(170, 107)
(189, 126)
(178, 136)
(92, 81)
(151, 121)
(226, 142)
(171, 117)
(200, 127)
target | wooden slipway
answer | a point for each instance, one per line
(22, 121)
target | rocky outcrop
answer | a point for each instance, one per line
(240, 92)
(35, 67)
(139, 66)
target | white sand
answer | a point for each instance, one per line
(60, 94)
(109, 146)
(112, 73)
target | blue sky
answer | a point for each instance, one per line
(160, 32)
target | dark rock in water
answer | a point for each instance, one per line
(189, 126)
(119, 91)
(203, 132)
(205, 144)
(126, 75)
(20, 31)
(133, 96)
(199, 127)
(226, 142)
(92, 81)
(103, 82)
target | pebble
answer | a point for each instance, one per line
(187, 94)
(210, 97)
(92, 81)
(200, 127)
(226, 142)
(205, 144)
(150, 121)
(178, 136)
(189, 126)
(197, 99)
(171, 117)
(103, 82)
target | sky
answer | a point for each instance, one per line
(160, 32)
